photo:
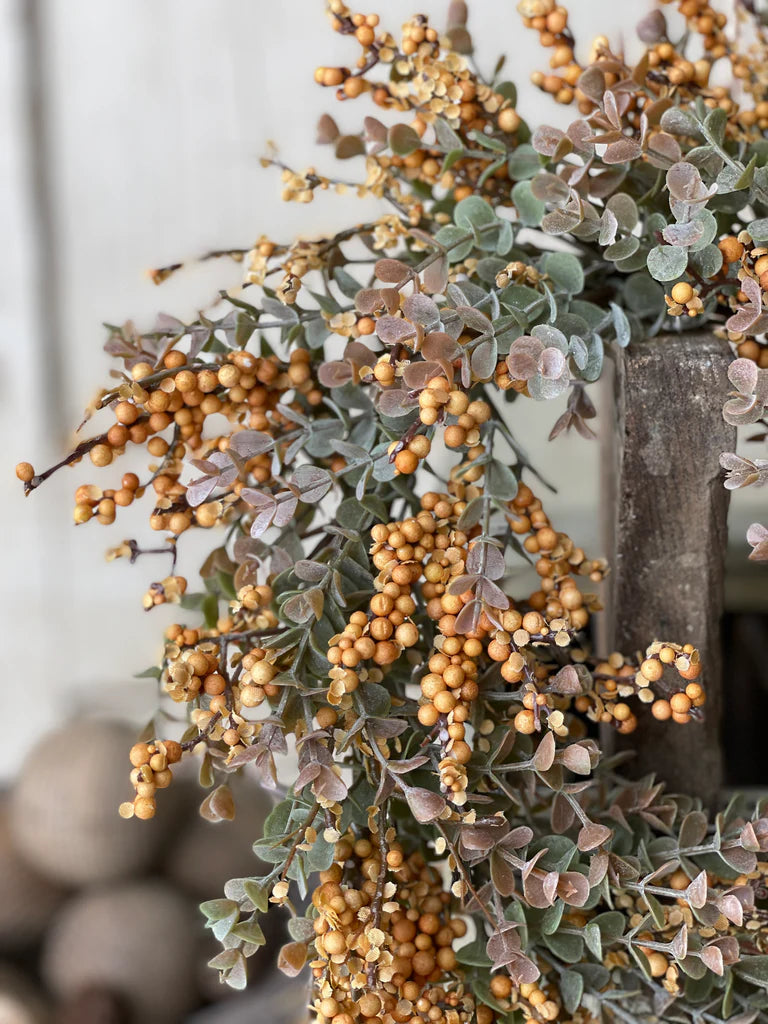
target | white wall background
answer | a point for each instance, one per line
(130, 137)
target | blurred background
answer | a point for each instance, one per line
(130, 138)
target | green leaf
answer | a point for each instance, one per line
(403, 139)
(473, 212)
(375, 700)
(149, 673)
(679, 122)
(221, 916)
(446, 137)
(594, 940)
(320, 857)
(753, 969)
(218, 910)
(569, 948)
(210, 610)
(257, 893)
(530, 210)
(508, 90)
(622, 249)
(611, 925)
(473, 954)
(595, 354)
(276, 822)
(714, 126)
(249, 931)
(566, 271)
(707, 261)
(643, 295)
(620, 325)
(451, 158)
(553, 915)
(758, 229)
(655, 908)
(571, 989)
(666, 262)
(487, 141)
(523, 163)
(502, 482)
(455, 241)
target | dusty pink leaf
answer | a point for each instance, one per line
(468, 617)
(393, 329)
(219, 805)
(329, 786)
(730, 907)
(292, 958)
(285, 509)
(420, 309)
(652, 28)
(684, 234)
(391, 271)
(395, 402)
(369, 300)
(552, 364)
(335, 374)
(313, 483)
(545, 140)
(523, 358)
(712, 958)
(544, 757)
(425, 805)
(566, 681)
(504, 945)
(576, 758)
(592, 83)
(416, 376)
(593, 835)
(696, 893)
(250, 443)
(622, 152)
(327, 130)
(434, 278)
(573, 888)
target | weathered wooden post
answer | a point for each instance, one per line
(667, 535)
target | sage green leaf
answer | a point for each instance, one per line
(455, 240)
(593, 940)
(403, 139)
(530, 210)
(758, 229)
(571, 986)
(666, 262)
(566, 271)
(569, 948)
(523, 163)
(753, 969)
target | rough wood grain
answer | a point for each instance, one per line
(668, 535)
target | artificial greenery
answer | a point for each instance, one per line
(450, 843)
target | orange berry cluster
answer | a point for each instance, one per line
(151, 771)
(429, 82)
(441, 399)
(618, 678)
(558, 557)
(551, 22)
(392, 960)
(667, 66)
(178, 397)
(752, 262)
(168, 590)
(683, 299)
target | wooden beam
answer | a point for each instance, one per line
(667, 536)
